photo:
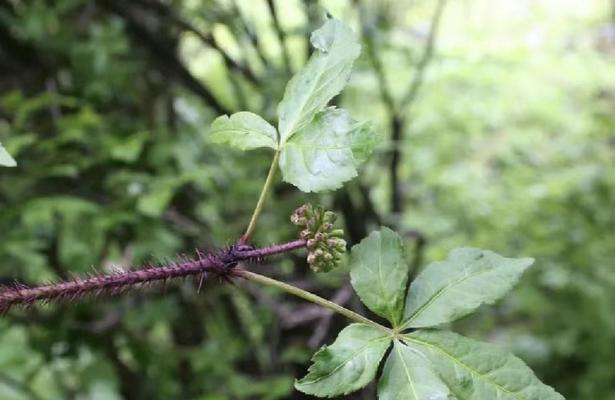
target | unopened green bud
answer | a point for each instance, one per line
(337, 244)
(324, 243)
(341, 246)
(329, 216)
(337, 233)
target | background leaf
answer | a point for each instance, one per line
(477, 166)
(379, 273)
(323, 77)
(348, 364)
(327, 152)
(478, 371)
(5, 158)
(243, 130)
(448, 290)
(407, 375)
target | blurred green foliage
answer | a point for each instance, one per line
(508, 145)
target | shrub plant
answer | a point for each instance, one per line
(317, 148)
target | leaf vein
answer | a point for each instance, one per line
(464, 365)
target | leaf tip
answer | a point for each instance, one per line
(6, 160)
(11, 163)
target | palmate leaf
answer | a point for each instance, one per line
(5, 158)
(323, 77)
(378, 273)
(348, 364)
(407, 375)
(326, 152)
(244, 131)
(425, 364)
(478, 371)
(450, 289)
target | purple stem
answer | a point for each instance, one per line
(219, 264)
(271, 250)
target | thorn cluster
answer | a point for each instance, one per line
(325, 245)
(219, 263)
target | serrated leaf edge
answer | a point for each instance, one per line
(362, 348)
(407, 324)
(213, 133)
(389, 308)
(467, 367)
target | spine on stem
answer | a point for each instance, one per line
(218, 264)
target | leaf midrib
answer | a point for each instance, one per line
(439, 293)
(331, 62)
(244, 130)
(403, 361)
(387, 307)
(301, 109)
(464, 365)
(355, 354)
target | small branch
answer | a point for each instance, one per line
(311, 297)
(428, 51)
(368, 204)
(167, 13)
(397, 130)
(261, 200)
(164, 54)
(281, 35)
(395, 120)
(231, 64)
(396, 114)
(354, 216)
(253, 39)
(312, 12)
(401, 114)
(374, 59)
(238, 91)
(219, 264)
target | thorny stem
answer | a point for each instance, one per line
(270, 250)
(311, 297)
(219, 264)
(222, 264)
(261, 200)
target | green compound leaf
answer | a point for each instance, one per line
(477, 371)
(244, 131)
(327, 152)
(348, 364)
(379, 273)
(407, 375)
(5, 158)
(450, 289)
(323, 77)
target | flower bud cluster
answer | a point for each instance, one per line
(324, 243)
